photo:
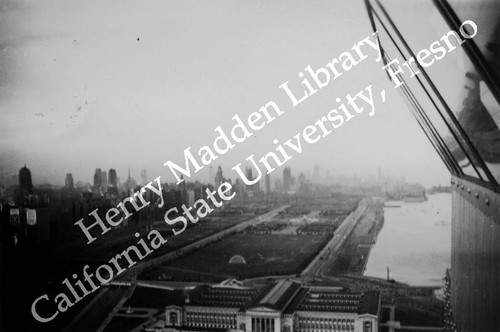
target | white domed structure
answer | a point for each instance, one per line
(237, 259)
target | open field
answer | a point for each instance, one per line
(193, 232)
(265, 254)
(282, 245)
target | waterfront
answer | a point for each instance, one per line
(415, 242)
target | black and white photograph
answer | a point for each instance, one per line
(250, 166)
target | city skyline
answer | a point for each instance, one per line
(315, 175)
(134, 95)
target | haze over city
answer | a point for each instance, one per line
(132, 88)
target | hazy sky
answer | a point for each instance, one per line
(118, 84)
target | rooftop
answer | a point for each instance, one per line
(285, 296)
(277, 296)
(224, 297)
(334, 301)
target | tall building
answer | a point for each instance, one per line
(287, 180)
(130, 184)
(456, 102)
(302, 179)
(112, 179)
(218, 177)
(249, 175)
(97, 178)
(68, 181)
(239, 186)
(25, 184)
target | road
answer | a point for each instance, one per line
(327, 256)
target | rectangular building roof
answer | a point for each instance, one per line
(277, 296)
(224, 297)
(334, 301)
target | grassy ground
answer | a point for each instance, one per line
(265, 254)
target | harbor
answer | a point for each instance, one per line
(415, 242)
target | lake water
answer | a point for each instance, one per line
(415, 242)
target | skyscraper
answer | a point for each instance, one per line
(25, 183)
(218, 177)
(68, 181)
(112, 179)
(130, 183)
(97, 178)
(249, 176)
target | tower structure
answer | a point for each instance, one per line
(68, 181)
(97, 178)
(25, 183)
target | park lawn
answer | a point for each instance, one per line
(265, 254)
